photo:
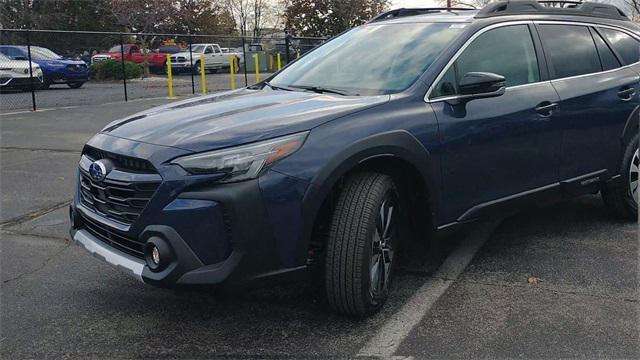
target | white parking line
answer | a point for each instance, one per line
(387, 340)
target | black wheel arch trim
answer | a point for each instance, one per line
(631, 127)
(398, 144)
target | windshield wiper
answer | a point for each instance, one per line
(320, 89)
(275, 87)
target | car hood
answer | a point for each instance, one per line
(17, 64)
(61, 62)
(185, 54)
(237, 117)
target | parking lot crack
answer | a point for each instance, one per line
(33, 215)
(37, 269)
(549, 289)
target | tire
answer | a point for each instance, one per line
(197, 69)
(357, 249)
(75, 85)
(45, 85)
(622, 198)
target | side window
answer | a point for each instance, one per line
(607, 58)
(506, 51)
(625, 45)
(571, 50)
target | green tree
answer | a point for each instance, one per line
(329, 17)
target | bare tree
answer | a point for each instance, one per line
(478, 4)
(145, 17)
(240, 10)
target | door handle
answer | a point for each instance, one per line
(627, 94)
(545, 109)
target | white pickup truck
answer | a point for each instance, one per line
(214, 58)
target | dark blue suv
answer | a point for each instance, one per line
(407, 128)
(55, 68)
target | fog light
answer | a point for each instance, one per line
(158, 253)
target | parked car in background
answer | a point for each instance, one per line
(15, 74)
(214, 58)
(55, 68)
(170, 49)
(134, 53)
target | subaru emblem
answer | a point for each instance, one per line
(99, 170)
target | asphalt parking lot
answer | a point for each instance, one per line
(100, 92)
(557, 282)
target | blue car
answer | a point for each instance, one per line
(56, 69)
(401, 131)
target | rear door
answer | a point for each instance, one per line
(597, 96)
(502, 147)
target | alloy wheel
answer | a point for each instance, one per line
(382, 251)
(633, 175)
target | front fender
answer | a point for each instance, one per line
(399, 144)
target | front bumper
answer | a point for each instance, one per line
(218, 233)
(66, 76)
(99, 249)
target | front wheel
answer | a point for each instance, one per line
(75, 85)
(622, 198)
(361, 245)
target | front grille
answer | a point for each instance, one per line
(122, 162)
(119, 241)
(119, 200)
(116, 200)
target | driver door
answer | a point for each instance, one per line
(500, 148)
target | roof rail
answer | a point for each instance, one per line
(577, 8)
(403, 12)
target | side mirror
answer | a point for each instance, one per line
(480, 85)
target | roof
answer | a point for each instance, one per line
(503, 8)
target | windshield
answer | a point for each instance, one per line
(197, 48)
(371, 59)
(39, 53)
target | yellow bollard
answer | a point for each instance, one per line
(203, 77)
(169, 76)
(298, 54)
(279, 62)
(257, 64)
(232, 65)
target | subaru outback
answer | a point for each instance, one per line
(407, 128)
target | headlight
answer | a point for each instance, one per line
(242, 162)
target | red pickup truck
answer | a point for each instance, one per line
(133, 52)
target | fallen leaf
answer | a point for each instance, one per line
(532, 280)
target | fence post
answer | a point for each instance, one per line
(203, 75)
(33, 92)
(169, 76)
(287, 44)
(232, 64)
(256, 58)
(124, 73)
(193, 84)
(244, 55)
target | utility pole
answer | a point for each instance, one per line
(448, 4)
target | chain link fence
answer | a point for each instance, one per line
(48, 69)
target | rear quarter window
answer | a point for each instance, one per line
(571, 49)
(626, 46)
